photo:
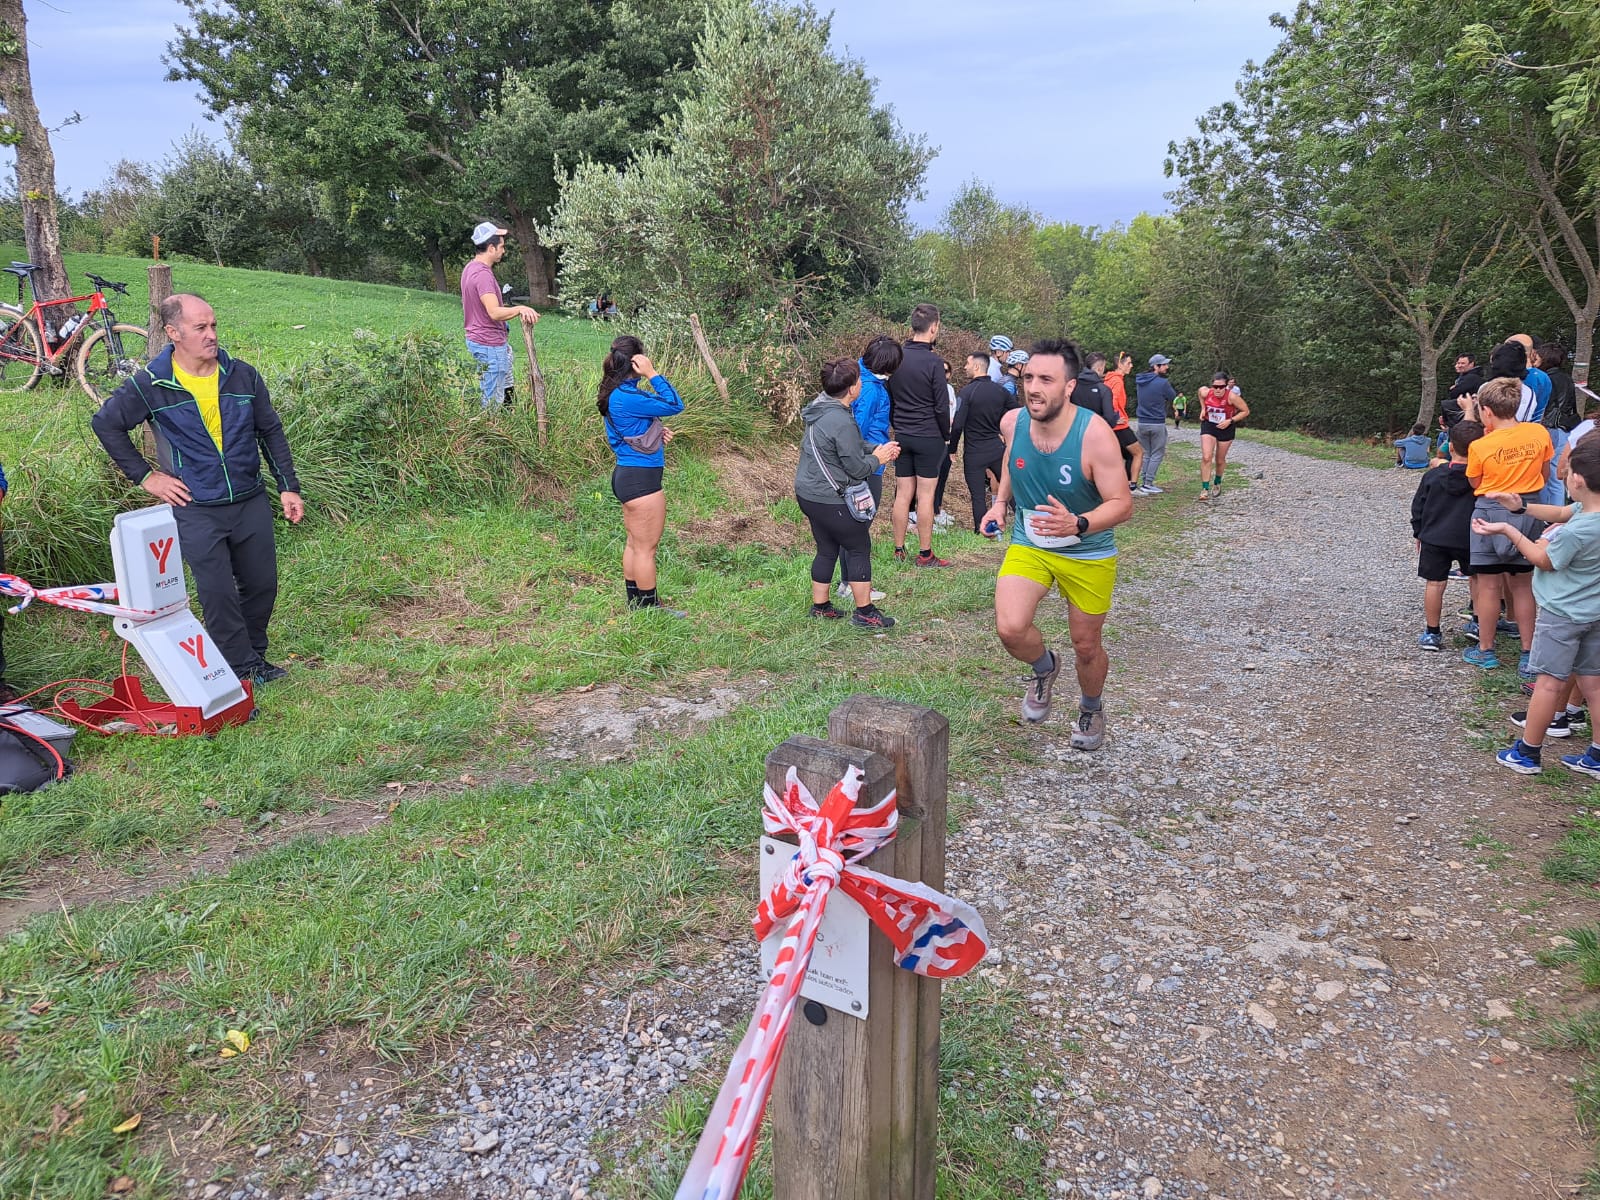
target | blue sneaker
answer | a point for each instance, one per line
(1470, 629)
(1486, 659)
(1515, 758)
(1509, 628)
(1522, 666)
(1583, 763)
(1430, 641)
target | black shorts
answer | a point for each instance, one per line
(923, 457)
(629, 483)
(1207, 429)
(1433, 562)
(1126, 437)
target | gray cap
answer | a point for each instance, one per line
(1159, 360)
(485, 230)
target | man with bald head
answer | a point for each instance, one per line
(213, 423)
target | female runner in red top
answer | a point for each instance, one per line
(1221, 408)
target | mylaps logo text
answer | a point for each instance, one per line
(196, 646)
(160, 550)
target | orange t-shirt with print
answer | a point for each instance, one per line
(1510, 459)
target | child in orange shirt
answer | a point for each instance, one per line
(1508, 459)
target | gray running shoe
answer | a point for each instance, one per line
(1036, 700)
(1090, 731)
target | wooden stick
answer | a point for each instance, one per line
(536, 378)
(705, 353)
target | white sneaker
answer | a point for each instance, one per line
(943, 520)
(876, 595)
(1151, 489)
(844, 593)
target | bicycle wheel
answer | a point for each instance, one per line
(104, 362)
(21, 359)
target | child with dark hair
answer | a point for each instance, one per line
(1441, 523)
(632, 417)
(1566, 583)
(1412, 452)
(878, 361)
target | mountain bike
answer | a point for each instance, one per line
(42, 339)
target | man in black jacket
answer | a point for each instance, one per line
(213, 422)
(919, 411)
(1469, 378)
(983, 403)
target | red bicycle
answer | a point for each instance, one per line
(42, 340)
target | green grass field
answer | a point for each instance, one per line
(441, 647)
(1361, 453)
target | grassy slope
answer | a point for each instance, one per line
(1361, 453)
(424, 640)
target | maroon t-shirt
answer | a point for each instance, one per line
(477, 281)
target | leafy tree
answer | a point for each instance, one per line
(783, 187)
(1332, 141)
(21, 129)
(432, 112)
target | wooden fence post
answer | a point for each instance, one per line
(704, 347)
(536, 383)
(855, 1106)
(160, 277)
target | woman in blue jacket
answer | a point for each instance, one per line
(632, 418)
(878, 361)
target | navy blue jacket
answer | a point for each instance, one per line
(1152, 393)
(251, 429)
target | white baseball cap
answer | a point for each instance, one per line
(486, 230)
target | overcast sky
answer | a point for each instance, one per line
(1065, 106)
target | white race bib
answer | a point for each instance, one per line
(1045, 541)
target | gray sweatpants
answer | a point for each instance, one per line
(1153, 437)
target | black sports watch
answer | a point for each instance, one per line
(1083, 526)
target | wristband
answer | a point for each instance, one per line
(1521, 510)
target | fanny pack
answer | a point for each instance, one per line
(648, 442)
(858, 501)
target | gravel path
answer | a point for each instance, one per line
(1265, 958)
(1266, 946)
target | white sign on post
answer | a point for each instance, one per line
(837, 976)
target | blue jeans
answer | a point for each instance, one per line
(496, 364)
(1555, 492)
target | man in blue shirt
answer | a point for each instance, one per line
(1152, 393)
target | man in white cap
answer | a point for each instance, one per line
(999, 347)
(485, 316)
(1153, 393)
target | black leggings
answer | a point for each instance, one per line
(837, 535)
(976, 466)
(938, 488)
(875, 486)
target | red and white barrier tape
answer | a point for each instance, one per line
(933, 934)
(87, 597)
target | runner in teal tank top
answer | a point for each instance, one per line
(1036, 476)
(1063, 467)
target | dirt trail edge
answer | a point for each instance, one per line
(1279, 937)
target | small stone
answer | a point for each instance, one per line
(263, 1151)
(1499, 1010)
(1330, 989)
(1262, 1016)
(342, 1147)
(211, 1191)
(1152, 1187)
(1361, 962)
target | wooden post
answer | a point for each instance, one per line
(536, 382)
(704, 347)
(855, 1106)
(160, 278)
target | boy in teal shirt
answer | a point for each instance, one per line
(1566, 584)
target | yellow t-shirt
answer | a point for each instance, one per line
(1510, 459)
(204, 390)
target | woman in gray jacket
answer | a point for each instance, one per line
(832, 457)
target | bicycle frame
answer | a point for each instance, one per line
(96, 301)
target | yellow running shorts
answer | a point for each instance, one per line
(1086, 583)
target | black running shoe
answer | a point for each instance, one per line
(826, 612)
(1560, 724)
(261, 671)
(871, 618)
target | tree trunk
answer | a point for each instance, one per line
(1583, 352)
(527, 235)
(441, 281)
(1429, 404)
(36, 164)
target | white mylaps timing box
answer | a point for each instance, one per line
(187, 664)
(144, 549)
(837, 975)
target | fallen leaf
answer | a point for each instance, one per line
(39, 1008)
(208, 802)
(395, 786)
(129, 1125)
(122, 1183)
(238, 1042)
